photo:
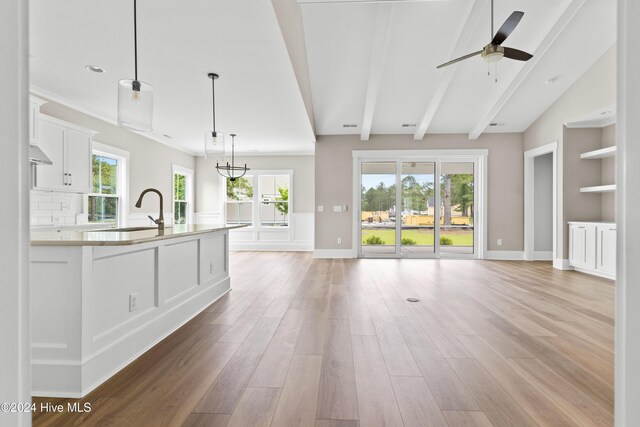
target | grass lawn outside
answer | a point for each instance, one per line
(421, 237)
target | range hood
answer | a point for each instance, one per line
(37, 156)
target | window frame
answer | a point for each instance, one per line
(256, 222)
(188, 184)
(122, 156)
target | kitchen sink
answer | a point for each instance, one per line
(126, 229)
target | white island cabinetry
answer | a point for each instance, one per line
(592, 248)
(101, 299)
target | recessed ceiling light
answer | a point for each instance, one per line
(349, 126)
(167, 136)
(496, 124)
(408, 125)
(551, 81)
(94, 68)
(604, 113)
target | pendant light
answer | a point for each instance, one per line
(214, 141)
(135, 97)
(232, 171)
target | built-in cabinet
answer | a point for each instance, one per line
(69, 148)
(592, 248)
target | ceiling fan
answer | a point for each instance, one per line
(494, 51)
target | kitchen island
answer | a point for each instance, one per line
(99, 299)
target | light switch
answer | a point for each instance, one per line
(337, 208)
(320, 208)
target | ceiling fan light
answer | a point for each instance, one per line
(135, 105)
(493, 57)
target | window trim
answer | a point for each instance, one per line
(122, 156)
(188, 182)
(255, 216)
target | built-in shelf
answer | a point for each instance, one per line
(599, 189)
(601, 153)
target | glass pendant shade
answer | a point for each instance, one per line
(214, 145)
(135, 105)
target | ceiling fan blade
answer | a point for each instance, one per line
(462, 58)
(516, 54)
(507, 28)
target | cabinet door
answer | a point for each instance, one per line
(606, 259)
(51, 140)
(78, 161)
(577, 250)
(590, 246)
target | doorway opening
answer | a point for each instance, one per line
(540, 165)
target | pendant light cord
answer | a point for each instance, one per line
(135, 38)
(213, 92)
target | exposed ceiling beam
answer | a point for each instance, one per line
(289, 18)
(473, 15)
(379, 46)
(564, 16)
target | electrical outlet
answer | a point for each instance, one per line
(320, 208)
(339, 240)
(337, 208)
(133, 302)
(499, 242)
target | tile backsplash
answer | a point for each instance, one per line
(56, 208)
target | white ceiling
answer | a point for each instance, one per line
(372, 64)
(422, 34)
(257, 95)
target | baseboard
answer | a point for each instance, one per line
(595, 273)
(543, 256)
(333, 253)
(271, 247)
(504, 255)
(561, 264)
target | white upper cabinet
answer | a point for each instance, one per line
(69, 148)
(34, 114)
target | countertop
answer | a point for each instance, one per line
(120, 238)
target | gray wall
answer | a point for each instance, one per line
(543, 203)
(609, 175)
(505, 175)
(596, 89)
(149, 161)
(208, 197)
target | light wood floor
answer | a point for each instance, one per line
(334, 343)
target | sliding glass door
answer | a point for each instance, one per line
(458, 197)
(378, 208)
(418, 209)
(417, 201)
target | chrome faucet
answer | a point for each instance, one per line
(160, 220)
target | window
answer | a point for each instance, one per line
(104, 201)
(239, 202)
(107, 202)
(261, 199)
(182, 206)
(274, 200)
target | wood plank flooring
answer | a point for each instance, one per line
(304, 342)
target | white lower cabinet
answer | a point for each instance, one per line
(592, 248)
